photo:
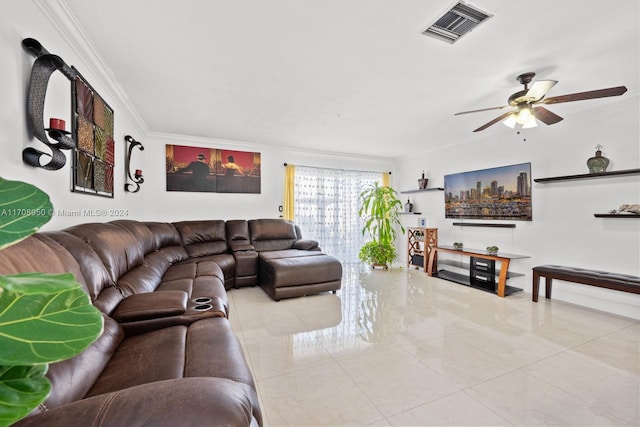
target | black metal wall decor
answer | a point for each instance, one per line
(43, 67)
(136, 177)
(91, 136)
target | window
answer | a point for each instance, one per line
(326, 208)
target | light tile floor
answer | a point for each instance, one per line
(399, 348)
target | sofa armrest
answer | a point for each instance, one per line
(177, 402)
(193, 314)
(241, 247)
(151, 305)
(306, 245)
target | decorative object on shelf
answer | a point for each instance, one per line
(408, 207)
(44, 66)
(422, 182)
(628, 209)
(458, 245)
(418, 236)
(492, 250)
(137, 175)
(420, 242)
(598, 163)
(380, 210)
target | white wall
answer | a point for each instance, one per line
(175, 206)
(564, 230)
(22, 19)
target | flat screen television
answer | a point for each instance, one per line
(501, 193)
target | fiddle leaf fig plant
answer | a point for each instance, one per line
(44, 318)
(24, 208)
(381, 212)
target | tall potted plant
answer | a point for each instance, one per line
(380, 210)
(44, 318)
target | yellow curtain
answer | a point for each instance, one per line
(289, 174)
(385, 179)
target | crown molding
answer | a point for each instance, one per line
(180, 139)
(99, 72)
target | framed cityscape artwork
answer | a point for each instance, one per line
(497, 193)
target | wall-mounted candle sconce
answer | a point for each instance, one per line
(44, 66)
(137, 175)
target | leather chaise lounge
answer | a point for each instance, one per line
(167, 355)
(290, 266)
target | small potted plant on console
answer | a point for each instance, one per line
(458, 245)
(492, 250)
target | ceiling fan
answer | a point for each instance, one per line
(526, 104)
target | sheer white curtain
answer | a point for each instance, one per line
(326, 208)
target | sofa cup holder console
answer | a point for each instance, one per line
(203, 307)
(202, 303)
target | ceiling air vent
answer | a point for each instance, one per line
(456, 22)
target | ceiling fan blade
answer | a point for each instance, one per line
(483, 109)
(592, 94)
(539, 89)
(546, 116)
(494, 121)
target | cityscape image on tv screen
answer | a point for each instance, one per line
(502, 193)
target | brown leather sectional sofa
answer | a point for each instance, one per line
(168, 355)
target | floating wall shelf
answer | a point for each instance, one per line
(477, 224)
(589, 175)
(421, 190)
(596, 175)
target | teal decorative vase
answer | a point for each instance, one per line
(598, 163)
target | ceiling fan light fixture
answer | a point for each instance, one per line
(524, 116)
(510, 121)
(527, 103)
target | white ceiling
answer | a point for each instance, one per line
(352, 76)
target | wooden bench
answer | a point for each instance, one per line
(602, 279)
